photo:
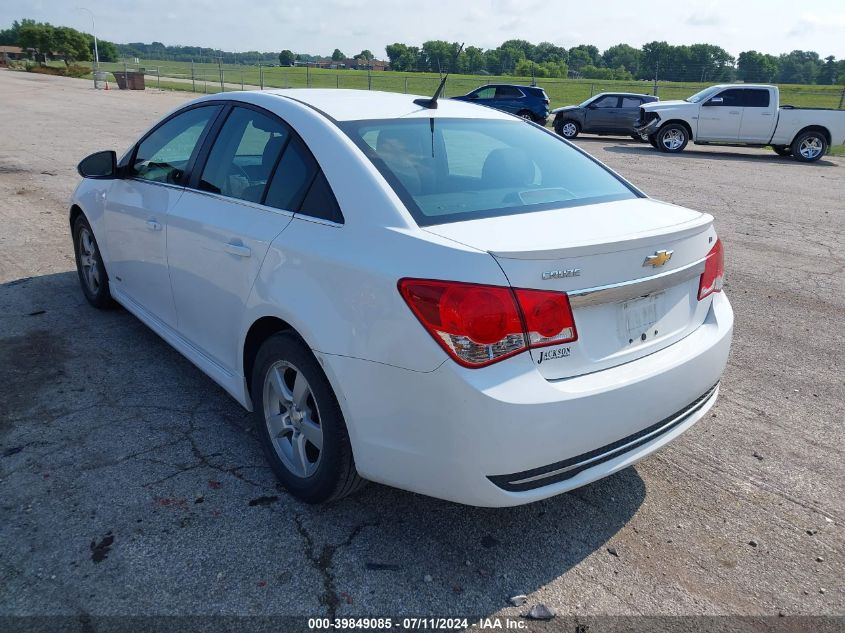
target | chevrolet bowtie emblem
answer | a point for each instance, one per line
(658, 259)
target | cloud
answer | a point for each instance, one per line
(699, 19)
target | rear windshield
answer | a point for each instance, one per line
(450, 170)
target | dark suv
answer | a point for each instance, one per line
(529, 102)
(604, 113)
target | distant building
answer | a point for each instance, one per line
(9, 53)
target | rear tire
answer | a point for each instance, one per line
(526, 114)
(568, 129)
(808, 147)
(782, 150)
(89, 266)
(672, 138)
(301, 427)
(637, 138)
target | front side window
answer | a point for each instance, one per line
(610, 101)
(485, 93)
(164, 154)
(449, 170)
(733, 98)
(244, 154)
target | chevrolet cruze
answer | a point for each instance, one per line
(432, 295)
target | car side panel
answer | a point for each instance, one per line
(337, 286)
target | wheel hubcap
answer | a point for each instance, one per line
(569, 129)
(293, 419)
(810, 147)
(673, 139)
(88, 261)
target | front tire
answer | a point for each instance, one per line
(809, 147)
(301, 427)
(652, 139)
(672, 138)
(568, 129)
(89, 266)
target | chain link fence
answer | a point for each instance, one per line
(207, 77)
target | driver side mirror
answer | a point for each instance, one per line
(715, 101)
(101, 165)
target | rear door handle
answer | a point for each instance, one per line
(238, 249)
(152, 225)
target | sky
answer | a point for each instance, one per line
(320, 26)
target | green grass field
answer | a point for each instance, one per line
(560, 91)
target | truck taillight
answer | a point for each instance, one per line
(479, 324)
(714, 272)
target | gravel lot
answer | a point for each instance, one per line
(132, 484)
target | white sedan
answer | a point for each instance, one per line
(449, 300)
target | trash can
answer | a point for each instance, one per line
(120, 78)
(100, 80)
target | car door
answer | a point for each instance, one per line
(601, 114)
(510, 99)
(758, 116)
(629, 114)
(137, 205)
(220, 229)
(719, 117)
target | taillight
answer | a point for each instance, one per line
(548, 317)
(478, 324)
(714, 272)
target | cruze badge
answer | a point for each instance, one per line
(658, 259)
(561, 274)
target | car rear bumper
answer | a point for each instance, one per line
(504, 435)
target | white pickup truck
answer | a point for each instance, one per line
(741, 114)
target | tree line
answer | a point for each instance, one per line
(654, 60)
(660, 60)
(48, 40)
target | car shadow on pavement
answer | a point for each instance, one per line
(131, 477)
(693, 154)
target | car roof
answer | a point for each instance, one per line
(354, 105)
(625, 94)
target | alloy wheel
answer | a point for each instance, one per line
(811, 147)
(673, 139)
(293, 419)
(569, 129)
(88, 260)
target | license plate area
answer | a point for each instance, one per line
(637, 317)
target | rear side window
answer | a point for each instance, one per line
(449, 170)
(485, 93)
(165, 153)
(756, 98)
(244, 154)
(299, 185)
(631, 102)
(508, 92)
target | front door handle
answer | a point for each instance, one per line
(153, 225)
(734, 112)
(238, 249)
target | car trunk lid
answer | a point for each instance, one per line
(631, 269)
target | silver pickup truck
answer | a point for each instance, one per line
(742, 114)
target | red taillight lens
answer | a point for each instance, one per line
(478, 325)
(714, 272)
(548, 317)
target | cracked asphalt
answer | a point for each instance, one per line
(130, 484)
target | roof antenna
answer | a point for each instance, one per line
(432, 103)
